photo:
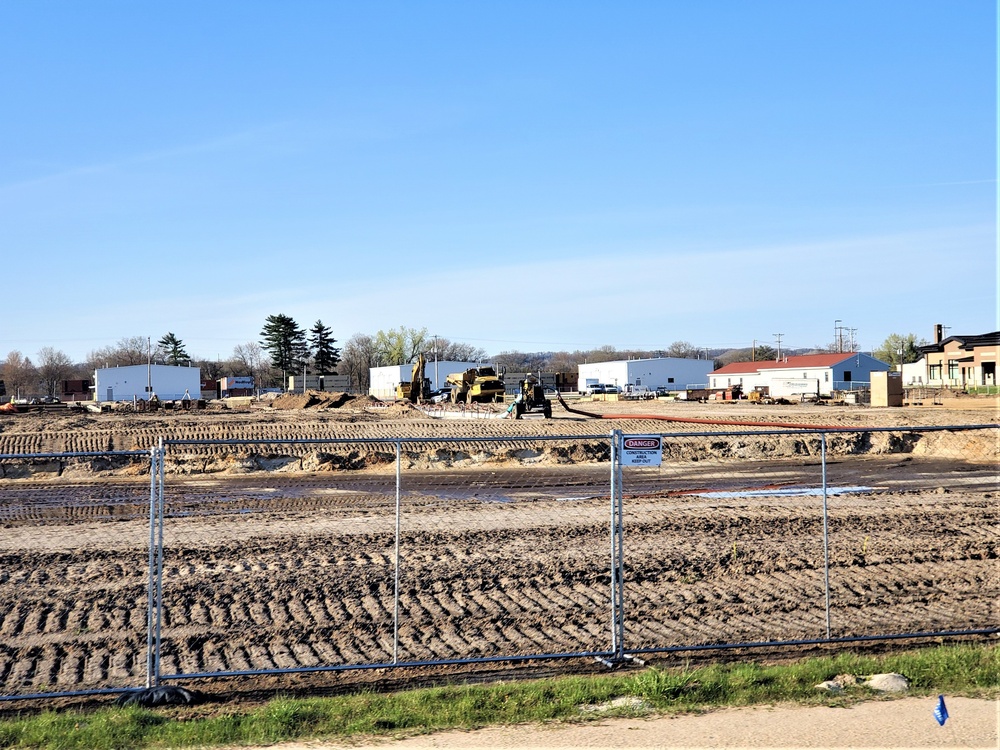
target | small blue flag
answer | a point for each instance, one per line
(941, 711)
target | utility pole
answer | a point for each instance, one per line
(149, 368)
(836, 333)
(778, 337)
(753, 352)
(437, 383)
(854, 346)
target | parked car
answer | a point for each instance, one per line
(612, 389)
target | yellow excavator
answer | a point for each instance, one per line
(477, 384)
(422, 392)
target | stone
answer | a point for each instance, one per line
(888, 683)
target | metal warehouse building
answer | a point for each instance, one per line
(672, 373)
(168, 382)
(383, 380)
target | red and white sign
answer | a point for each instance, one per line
(641, 450)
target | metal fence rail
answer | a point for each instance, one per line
(255, 557)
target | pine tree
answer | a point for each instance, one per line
(285, 342)
(325, 356)
(173, 350)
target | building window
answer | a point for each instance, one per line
(670, 380)
(952, 369)
(934, 372)
(826, 376)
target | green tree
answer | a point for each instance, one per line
(894, 343)
(401, 346)
(172, 349)
(325, 355)
(282, 338)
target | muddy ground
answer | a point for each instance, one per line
(283, 556)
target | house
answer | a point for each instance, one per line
(671, 373)
(961, 361)
(821, 374)
(168, 382)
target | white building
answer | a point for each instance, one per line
(672, 373)
(821, 374)
(383, 380)
(168, 382)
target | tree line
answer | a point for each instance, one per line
(285, 348)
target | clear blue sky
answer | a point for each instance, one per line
(531, 176)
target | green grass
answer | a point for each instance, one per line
(970, 670)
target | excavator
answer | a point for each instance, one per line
(481, 385)
(406, 390)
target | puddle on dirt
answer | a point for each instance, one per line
(788, 492)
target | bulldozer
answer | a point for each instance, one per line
(476, 385)
(530, 402)
(406, 391)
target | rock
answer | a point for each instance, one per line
(888, 683)
(630, 703)
(830, 686)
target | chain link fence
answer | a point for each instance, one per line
(253, 557)
(74, 573)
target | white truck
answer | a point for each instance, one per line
(638, 393)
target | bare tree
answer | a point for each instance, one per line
(357, 358)
(131, 350)
(683, 350)
(253, 360)
(53, 367)
(19, 375)
(458, 352)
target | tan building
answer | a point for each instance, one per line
(962, 361)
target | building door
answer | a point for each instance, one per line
(111, 393)
(989, 373)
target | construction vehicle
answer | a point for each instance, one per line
(475, 385)
(530, 401)
(406, 391)
(760, 395)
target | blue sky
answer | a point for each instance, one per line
(530, 176)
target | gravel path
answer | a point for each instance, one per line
(902, 723)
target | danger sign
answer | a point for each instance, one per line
(642, 450)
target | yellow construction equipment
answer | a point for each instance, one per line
(479, 385)
(405, 390)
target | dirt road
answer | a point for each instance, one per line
(901, 723)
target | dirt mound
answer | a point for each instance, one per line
(313, 400)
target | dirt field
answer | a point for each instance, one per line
(283, 556)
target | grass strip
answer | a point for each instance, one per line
(970, 670)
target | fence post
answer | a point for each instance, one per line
(395, 592)
(826, 535)
(159, 568)
(612, 534)
(151, 589)
(620, 560)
